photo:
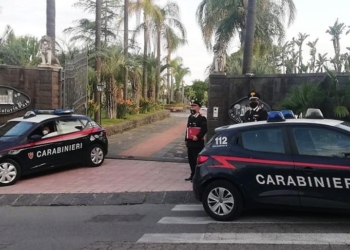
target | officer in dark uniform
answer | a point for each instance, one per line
(256, 113)
(195, 144)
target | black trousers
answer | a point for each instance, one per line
(192, 154)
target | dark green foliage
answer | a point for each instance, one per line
(328, 95)
(299, 99)
(201, 90)
(21, 51)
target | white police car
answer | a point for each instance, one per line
(43, 139)
(282, 163)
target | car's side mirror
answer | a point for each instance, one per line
(79, 127)
(35, 137)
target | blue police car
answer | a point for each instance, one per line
(282, 163)
(43, 139)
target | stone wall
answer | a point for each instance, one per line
(225, 90)
(42, 85)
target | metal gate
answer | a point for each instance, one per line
(75, 84)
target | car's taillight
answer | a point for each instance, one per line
(201, 159)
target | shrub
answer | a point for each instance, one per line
(122, 109)
(92, 107)
(144, 106)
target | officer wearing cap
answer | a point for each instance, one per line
(256, 113)
(195, 143)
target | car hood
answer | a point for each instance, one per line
(7, 142)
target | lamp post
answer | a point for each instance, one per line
(100, 87)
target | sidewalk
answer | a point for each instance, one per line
(159, 141)
(144, 165)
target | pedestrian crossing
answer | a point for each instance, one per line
(251, 229)
(249, 238)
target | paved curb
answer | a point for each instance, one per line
(87, 199)
(139, 158)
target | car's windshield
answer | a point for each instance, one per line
(15, 128)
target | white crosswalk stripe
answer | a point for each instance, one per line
(190, 207)
(249, 238)
(193, 216)
(208, 220)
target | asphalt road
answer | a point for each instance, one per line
(166, 226)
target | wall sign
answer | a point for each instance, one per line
(237, 110)
(12, 100)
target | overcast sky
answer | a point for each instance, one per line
(313, 18)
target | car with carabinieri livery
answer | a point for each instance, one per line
(26, 146)
(280, 163)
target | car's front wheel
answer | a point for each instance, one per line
(9, 172)
(95, 155)
(222, 201)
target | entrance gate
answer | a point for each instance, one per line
(75, 84)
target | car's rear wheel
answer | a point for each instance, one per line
(222, 201)
(96, 155)
(9, 172)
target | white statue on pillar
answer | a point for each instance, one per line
(219, 62)
(45, 50)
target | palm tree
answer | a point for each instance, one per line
(335, 31)
(51, 23)
(126, 46)
(249, 37)
(313, 51)
(285, 51)
(151, 69)
(111, 67)
(320, 62)
(98, 57)
(180, 72)
(164, 28)
(84, 30)
(225, 19)
(299, 42)
(162, 23)
(135, 66)
(173, 42)
(150, 11)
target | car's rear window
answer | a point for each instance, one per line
(344, 125)
(15, 128)
(220, 139)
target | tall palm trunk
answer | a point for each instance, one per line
(111, 97)
(98, 58)
(135, 83)
(145, 52)
(249, 37)
(337, 55)
(126, 46)
(158, 65)
(169, 77)
(51, 23)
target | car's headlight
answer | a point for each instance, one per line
(14, 152)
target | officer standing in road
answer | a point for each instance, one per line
(194, 139)
(256, 113)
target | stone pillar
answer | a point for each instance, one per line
(42, 85)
